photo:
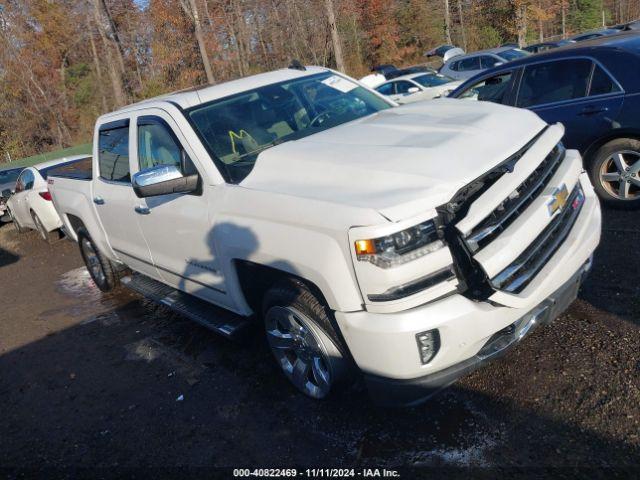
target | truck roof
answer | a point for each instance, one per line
(198, 95)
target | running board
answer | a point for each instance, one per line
(214, 318)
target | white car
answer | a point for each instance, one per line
(405, 245)
(417, 87)
(30, 207)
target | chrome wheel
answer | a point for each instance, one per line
(41, 230)
(93, 262)
(620, 175)
(299, 350)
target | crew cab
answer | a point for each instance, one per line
(403, 245)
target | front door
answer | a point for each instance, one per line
(178, 226)
(114, 198)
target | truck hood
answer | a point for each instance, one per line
(402, 161)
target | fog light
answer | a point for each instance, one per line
(428, 345)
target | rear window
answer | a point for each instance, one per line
(514, 54)
(113, 154)
(78, 169)
(602, 83)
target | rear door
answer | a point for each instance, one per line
(114, 198)
(577, 92)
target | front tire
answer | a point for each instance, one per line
(102, 271)
(615, 173)
(303, 341)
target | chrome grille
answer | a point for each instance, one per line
(519, 274)
(517, 202)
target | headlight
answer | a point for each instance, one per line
(400, 247)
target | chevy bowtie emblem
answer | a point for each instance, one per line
(560, 196)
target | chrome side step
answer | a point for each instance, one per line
(214, 318)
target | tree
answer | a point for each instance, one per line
(335, 38)
(190, 9)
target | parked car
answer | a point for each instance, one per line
(446, 52)
(544, 46)
(466, 66)
(417, 87)
(401, 72)
(408, 245)
(592, 89)
(603, 32)
(30, 206)
(627, 27)
(8, 179)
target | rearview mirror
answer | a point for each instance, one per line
(163, 180)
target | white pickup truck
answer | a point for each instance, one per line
(403, 245)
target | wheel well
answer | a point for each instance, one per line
(616, 135)
(255, 279)
(75, 222)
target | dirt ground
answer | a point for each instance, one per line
(93, 380)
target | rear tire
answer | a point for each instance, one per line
(103, 271)
(303, 341)
(613, 174)
(47, 236)
(16, 225)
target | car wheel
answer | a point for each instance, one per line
(615, 173)
(47, 236)
(303, 341)
(102, 271)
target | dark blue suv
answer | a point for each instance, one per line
(593, 88)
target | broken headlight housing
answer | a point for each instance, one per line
(401, 247)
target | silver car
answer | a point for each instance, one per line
(462, 67)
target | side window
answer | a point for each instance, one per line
(403, 87)
(386, 89)
(488, 62)
(602, 83)
(472, 63)
(157, 146)
(454, 66)
(554, 82)
(492, 89)
(113, 154)
(28, 179)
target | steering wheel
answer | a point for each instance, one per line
(319, 118)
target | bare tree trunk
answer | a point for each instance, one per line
(116, 38)
(521, 23)
(564, 20)
(191, 11)
(114, 73)
(335, 37)
(96, 64)
(447, 22)
(540, 23)
(462, 27)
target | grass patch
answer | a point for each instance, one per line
(82, 149)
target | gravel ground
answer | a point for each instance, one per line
(93, 380)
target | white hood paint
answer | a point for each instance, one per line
(400, 162)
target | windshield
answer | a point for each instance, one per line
(513, 54)
(432, 80)
(236, 129)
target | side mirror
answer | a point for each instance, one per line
(6, 193)
(413, 90)
(497, 64)
(163, 180)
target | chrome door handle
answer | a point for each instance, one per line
(142, 210)
(98, 200)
